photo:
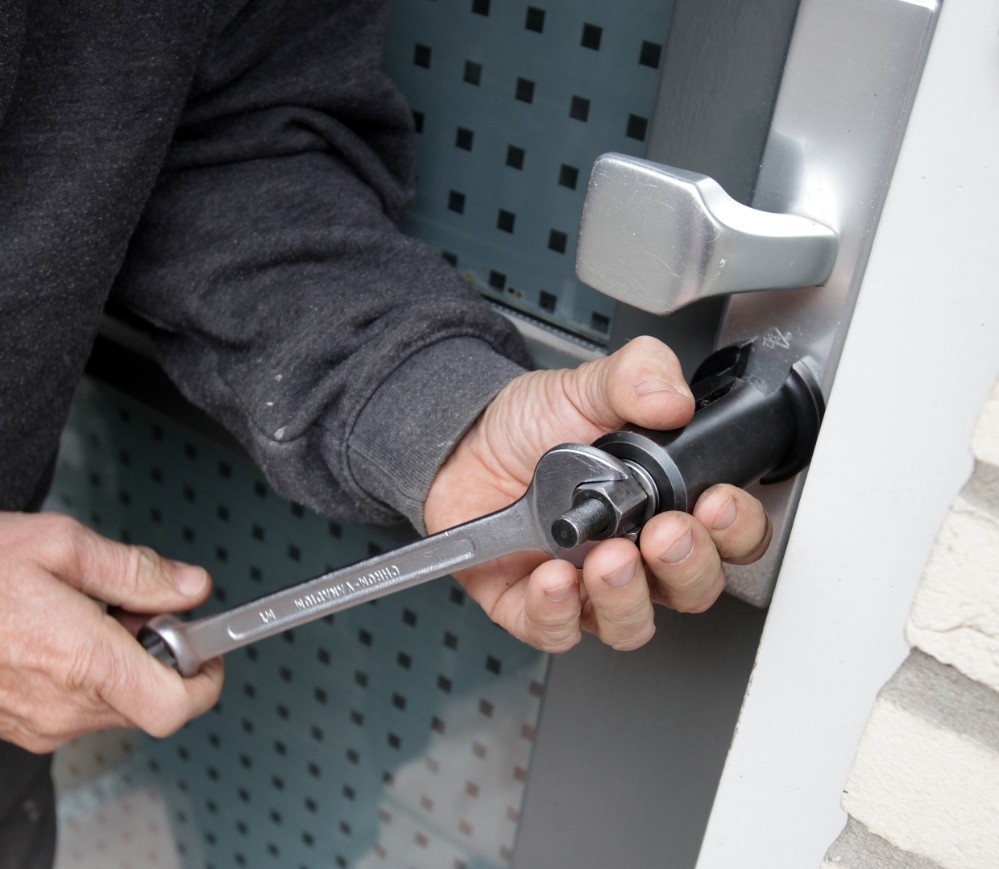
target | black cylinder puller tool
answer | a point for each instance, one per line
(742, 431)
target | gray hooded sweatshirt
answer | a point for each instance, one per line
(230, 170)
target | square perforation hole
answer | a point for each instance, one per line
(650, 54)
(599, 322)
(525, 90)
(473, 72)
(591, 37)
(637, 127)
(421, 55)
(568, 176)
(535, 19)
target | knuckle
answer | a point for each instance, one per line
(85, 669)
(36, 740)
(38, 744)
(139, 569)
(635, 641)
(685, 587)
(64, 539)
(33, 729)
(627, 629)
(701, 598)
(57, 728)
(686, 582)
(556, 645)
(553, 637)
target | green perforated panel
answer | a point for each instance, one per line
(396, 734)
(513, 102)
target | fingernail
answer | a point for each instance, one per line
(647, 387)
(679, 550)
(189, 580)
(622, 576)
(560, 592)
(725, 517)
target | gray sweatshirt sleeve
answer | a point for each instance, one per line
(347, 358)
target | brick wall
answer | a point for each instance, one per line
(923, 792)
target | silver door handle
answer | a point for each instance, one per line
(659, 238)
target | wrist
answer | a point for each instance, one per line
(433, 398)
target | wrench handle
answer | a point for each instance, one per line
(187, 645)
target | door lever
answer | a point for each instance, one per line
(659, 238)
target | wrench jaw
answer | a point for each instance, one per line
(618, 508)
(560, 473)
(163, 637)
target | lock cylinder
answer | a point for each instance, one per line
(741, 432)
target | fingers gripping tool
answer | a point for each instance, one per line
(743, 429)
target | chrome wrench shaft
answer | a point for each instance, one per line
(521, 527)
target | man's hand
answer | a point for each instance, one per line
(547, 602)
(68, 666)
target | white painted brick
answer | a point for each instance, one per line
(926, 775)
(924, 789)
(985, 443)
(955, 616)
(858, 848)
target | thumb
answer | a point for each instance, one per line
(134, 578)
(642, 383)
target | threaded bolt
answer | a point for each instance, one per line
(586, 521)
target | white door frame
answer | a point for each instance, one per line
(920, 359)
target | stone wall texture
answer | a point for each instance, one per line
(923, 792)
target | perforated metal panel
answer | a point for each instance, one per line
(396, 734)
(513, 102)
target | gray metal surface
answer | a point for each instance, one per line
(630, 746)
(660, 238)
(847, 91)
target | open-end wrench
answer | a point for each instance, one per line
(755, 416)
(526, 525)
